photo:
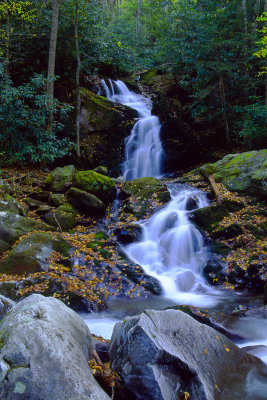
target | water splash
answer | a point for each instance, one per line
(143, 148)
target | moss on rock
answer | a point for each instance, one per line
(99, 185)
(60, 179)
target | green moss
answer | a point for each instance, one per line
(101, 235)
(105, 253)
(99, 185)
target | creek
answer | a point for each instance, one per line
(172, 249)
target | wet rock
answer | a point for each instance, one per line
(137, 275)
(56, 367)
(96, 184)
(163, 354)
(60, 179)
(128, 234)
(65, 215)
(86, 202)
(213, 271)
(12, 226)
(31, 254)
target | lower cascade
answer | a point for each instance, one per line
(172, 249)
(143, 149)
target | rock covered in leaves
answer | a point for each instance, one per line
(166, 354)
(31, 254)
(244, 173)
(60, 179)
(45, 349)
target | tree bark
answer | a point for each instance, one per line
(77, 83)
(223, 102)
(52, 59)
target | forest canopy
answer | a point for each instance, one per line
(215, 50)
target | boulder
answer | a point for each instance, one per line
(60, 179)
(86, 202)
(8, 203)
(244, 173)
(167, 354)
(128, 234)
(99, 185)
(42, 196)
(104, 126)
(12, 226)
(142, 193)
(32, 203)
(31, 254)
(65, 215)
(101, 170)
(45, 349)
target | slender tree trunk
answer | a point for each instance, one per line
(223, 102)
(52, 59)
(138, 15)
(78, 69)
(244, 7)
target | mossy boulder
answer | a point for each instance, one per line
(104, 126)
(60, 179)
(42, 196)
(142, 194)
(12, 226)
(99, 185)
(31, 254)
(244, 173)
(65, 215)
(86, 202)
(8, 203)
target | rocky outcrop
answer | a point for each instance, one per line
(167, 354)
(31, 254)
(45, 349)
(104, 125)
(243, 173)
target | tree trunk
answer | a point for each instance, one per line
(138, 15)
(223, 102)
(52, 59)
(77, 83)
(244, 6)
(257, 8)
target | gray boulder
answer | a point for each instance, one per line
(60, 179)
(5, 305)
(86, 202)
(45, 349)
(162, 355)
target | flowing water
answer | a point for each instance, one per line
(143, 149)
(171, 248)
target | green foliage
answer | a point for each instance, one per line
(23, 120)
(251, 121)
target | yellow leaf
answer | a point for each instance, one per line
(186, 395)
(205, 351)
(226, 349)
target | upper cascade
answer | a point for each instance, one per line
(143, 148)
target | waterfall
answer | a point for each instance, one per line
(143, 149)
(173, 250)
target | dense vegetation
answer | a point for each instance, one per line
(214, 50)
